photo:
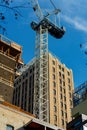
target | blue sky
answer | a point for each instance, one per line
(73, 17)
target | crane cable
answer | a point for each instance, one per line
(56, 13)
(53, 4)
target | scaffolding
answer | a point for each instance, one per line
(80, 94)
(41, 102)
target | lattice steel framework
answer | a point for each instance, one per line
(41, 101)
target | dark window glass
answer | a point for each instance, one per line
(9, 127)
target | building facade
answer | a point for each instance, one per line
(60, 92)
(60, 86)
(10, 58)
(14, 118)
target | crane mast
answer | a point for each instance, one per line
(41, 88)
(41, 99)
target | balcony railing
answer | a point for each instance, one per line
(3, 38)
(80, 94)
(7, 82)
(6, 68)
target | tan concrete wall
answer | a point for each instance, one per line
(6, 91)
(12, 117)
(58, 94)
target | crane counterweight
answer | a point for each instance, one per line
(54, 30)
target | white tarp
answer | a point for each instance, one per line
(84, 128)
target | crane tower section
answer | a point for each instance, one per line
(41, 99)
(41, 88)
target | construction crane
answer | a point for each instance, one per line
(41, 88)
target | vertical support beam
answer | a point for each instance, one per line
(41, 99)
(45, 128)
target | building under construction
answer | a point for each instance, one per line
(79, 111)
(10, 59)
(80, 100)
(80, 94)
(60, 88)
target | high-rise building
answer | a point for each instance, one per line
(60, 89)
(10, 59)
(60, 92)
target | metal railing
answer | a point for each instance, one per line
(80, 94)
(6, 67)
(1, 52)
(7, 82)
(3, 38)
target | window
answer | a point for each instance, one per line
(54, 84)
(65, 106)
(60, 81)
(30, 70)
(23, 76)
(63, 69)
(55, 108)
(65, 115)
(53, 76)
(54, 91)
(64, 98)
(61, 88)
(70, 102)
(53, 69)
(55, 118)
(9, 127)
(59, 66)
(54, 100)
(19, 80)
(68, 73)
(61, 105)
(69, 87)
(64, 90)
(70, 95)
(63, 76)
(68, 80)
(15, 85)
(63, 83)
(62, 113)
(61, 97)
(62, 122)
(53, 62)
(59, 73)
(26, 74)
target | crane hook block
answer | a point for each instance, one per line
(54, 30)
